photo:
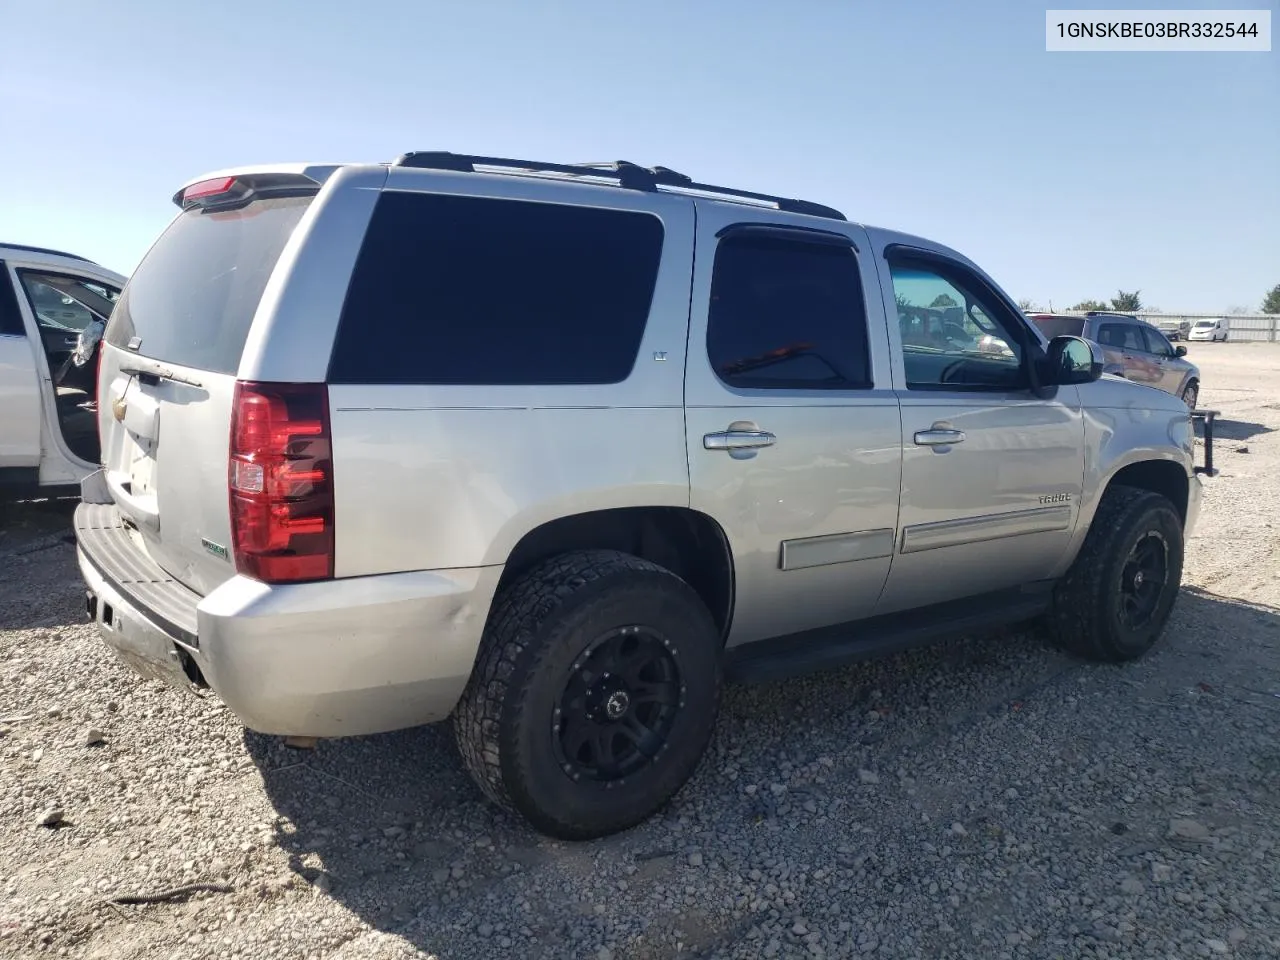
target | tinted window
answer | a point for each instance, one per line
(459, 290)
(193, 297)
(1060, 326)
(1156, 343)
(787, 314)
(1122, 336)
(954, 334)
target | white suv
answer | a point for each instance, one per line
(53, 307)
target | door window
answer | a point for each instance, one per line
(954, 334)
(787, 314)
(1157, 343)
(1121, 336)
(65, 303)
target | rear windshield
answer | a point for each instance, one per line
(192, 299)
(1059, 326)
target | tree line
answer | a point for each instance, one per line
(1130, 301)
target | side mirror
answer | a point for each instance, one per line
(1179, 351)
(1073, 360)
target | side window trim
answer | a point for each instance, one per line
(860, 325)
(791, 232)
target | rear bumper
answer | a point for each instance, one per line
(336, 658)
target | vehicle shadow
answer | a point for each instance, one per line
(392, 828)
(1233, 430)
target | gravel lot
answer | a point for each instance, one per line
(987, 797)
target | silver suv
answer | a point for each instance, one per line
(550, 450)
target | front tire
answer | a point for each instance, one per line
(1191, 395)
(1114, 602)
(594, 694)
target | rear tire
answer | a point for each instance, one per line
(1114, 602)
(594, 694)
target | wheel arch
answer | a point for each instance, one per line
(687, 542)
(1167, 478)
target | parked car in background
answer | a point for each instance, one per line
(1211, 330)
(53, 308)
(1134, 349)
(1175, 328)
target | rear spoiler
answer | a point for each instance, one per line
(237, 186)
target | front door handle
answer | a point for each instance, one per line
(938, 438)
(738, 440)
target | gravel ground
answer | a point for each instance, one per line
(986, 797)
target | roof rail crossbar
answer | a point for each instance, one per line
(630, 176)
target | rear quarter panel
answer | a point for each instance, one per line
(443, 477)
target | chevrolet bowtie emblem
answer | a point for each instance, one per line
(118, 407)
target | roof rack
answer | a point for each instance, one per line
(46, 250)
(629, 176)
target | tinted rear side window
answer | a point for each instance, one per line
(464, 290)
(787, 315)
(192, 299)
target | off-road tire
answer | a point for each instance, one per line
(538, 628)
(1085, 617)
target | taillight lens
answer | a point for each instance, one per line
(280, 481)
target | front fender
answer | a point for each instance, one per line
(1126, 424)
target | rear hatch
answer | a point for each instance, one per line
(170, 357)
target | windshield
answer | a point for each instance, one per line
(1206, 323)
(193, 297)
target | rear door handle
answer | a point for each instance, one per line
(739, 440)
(938, 438)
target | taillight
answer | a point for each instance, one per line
(207, 188)
(280, 482)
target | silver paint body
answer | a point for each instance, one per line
(833, 512)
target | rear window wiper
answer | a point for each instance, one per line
(161, 373)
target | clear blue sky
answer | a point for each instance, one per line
(1065, 175)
